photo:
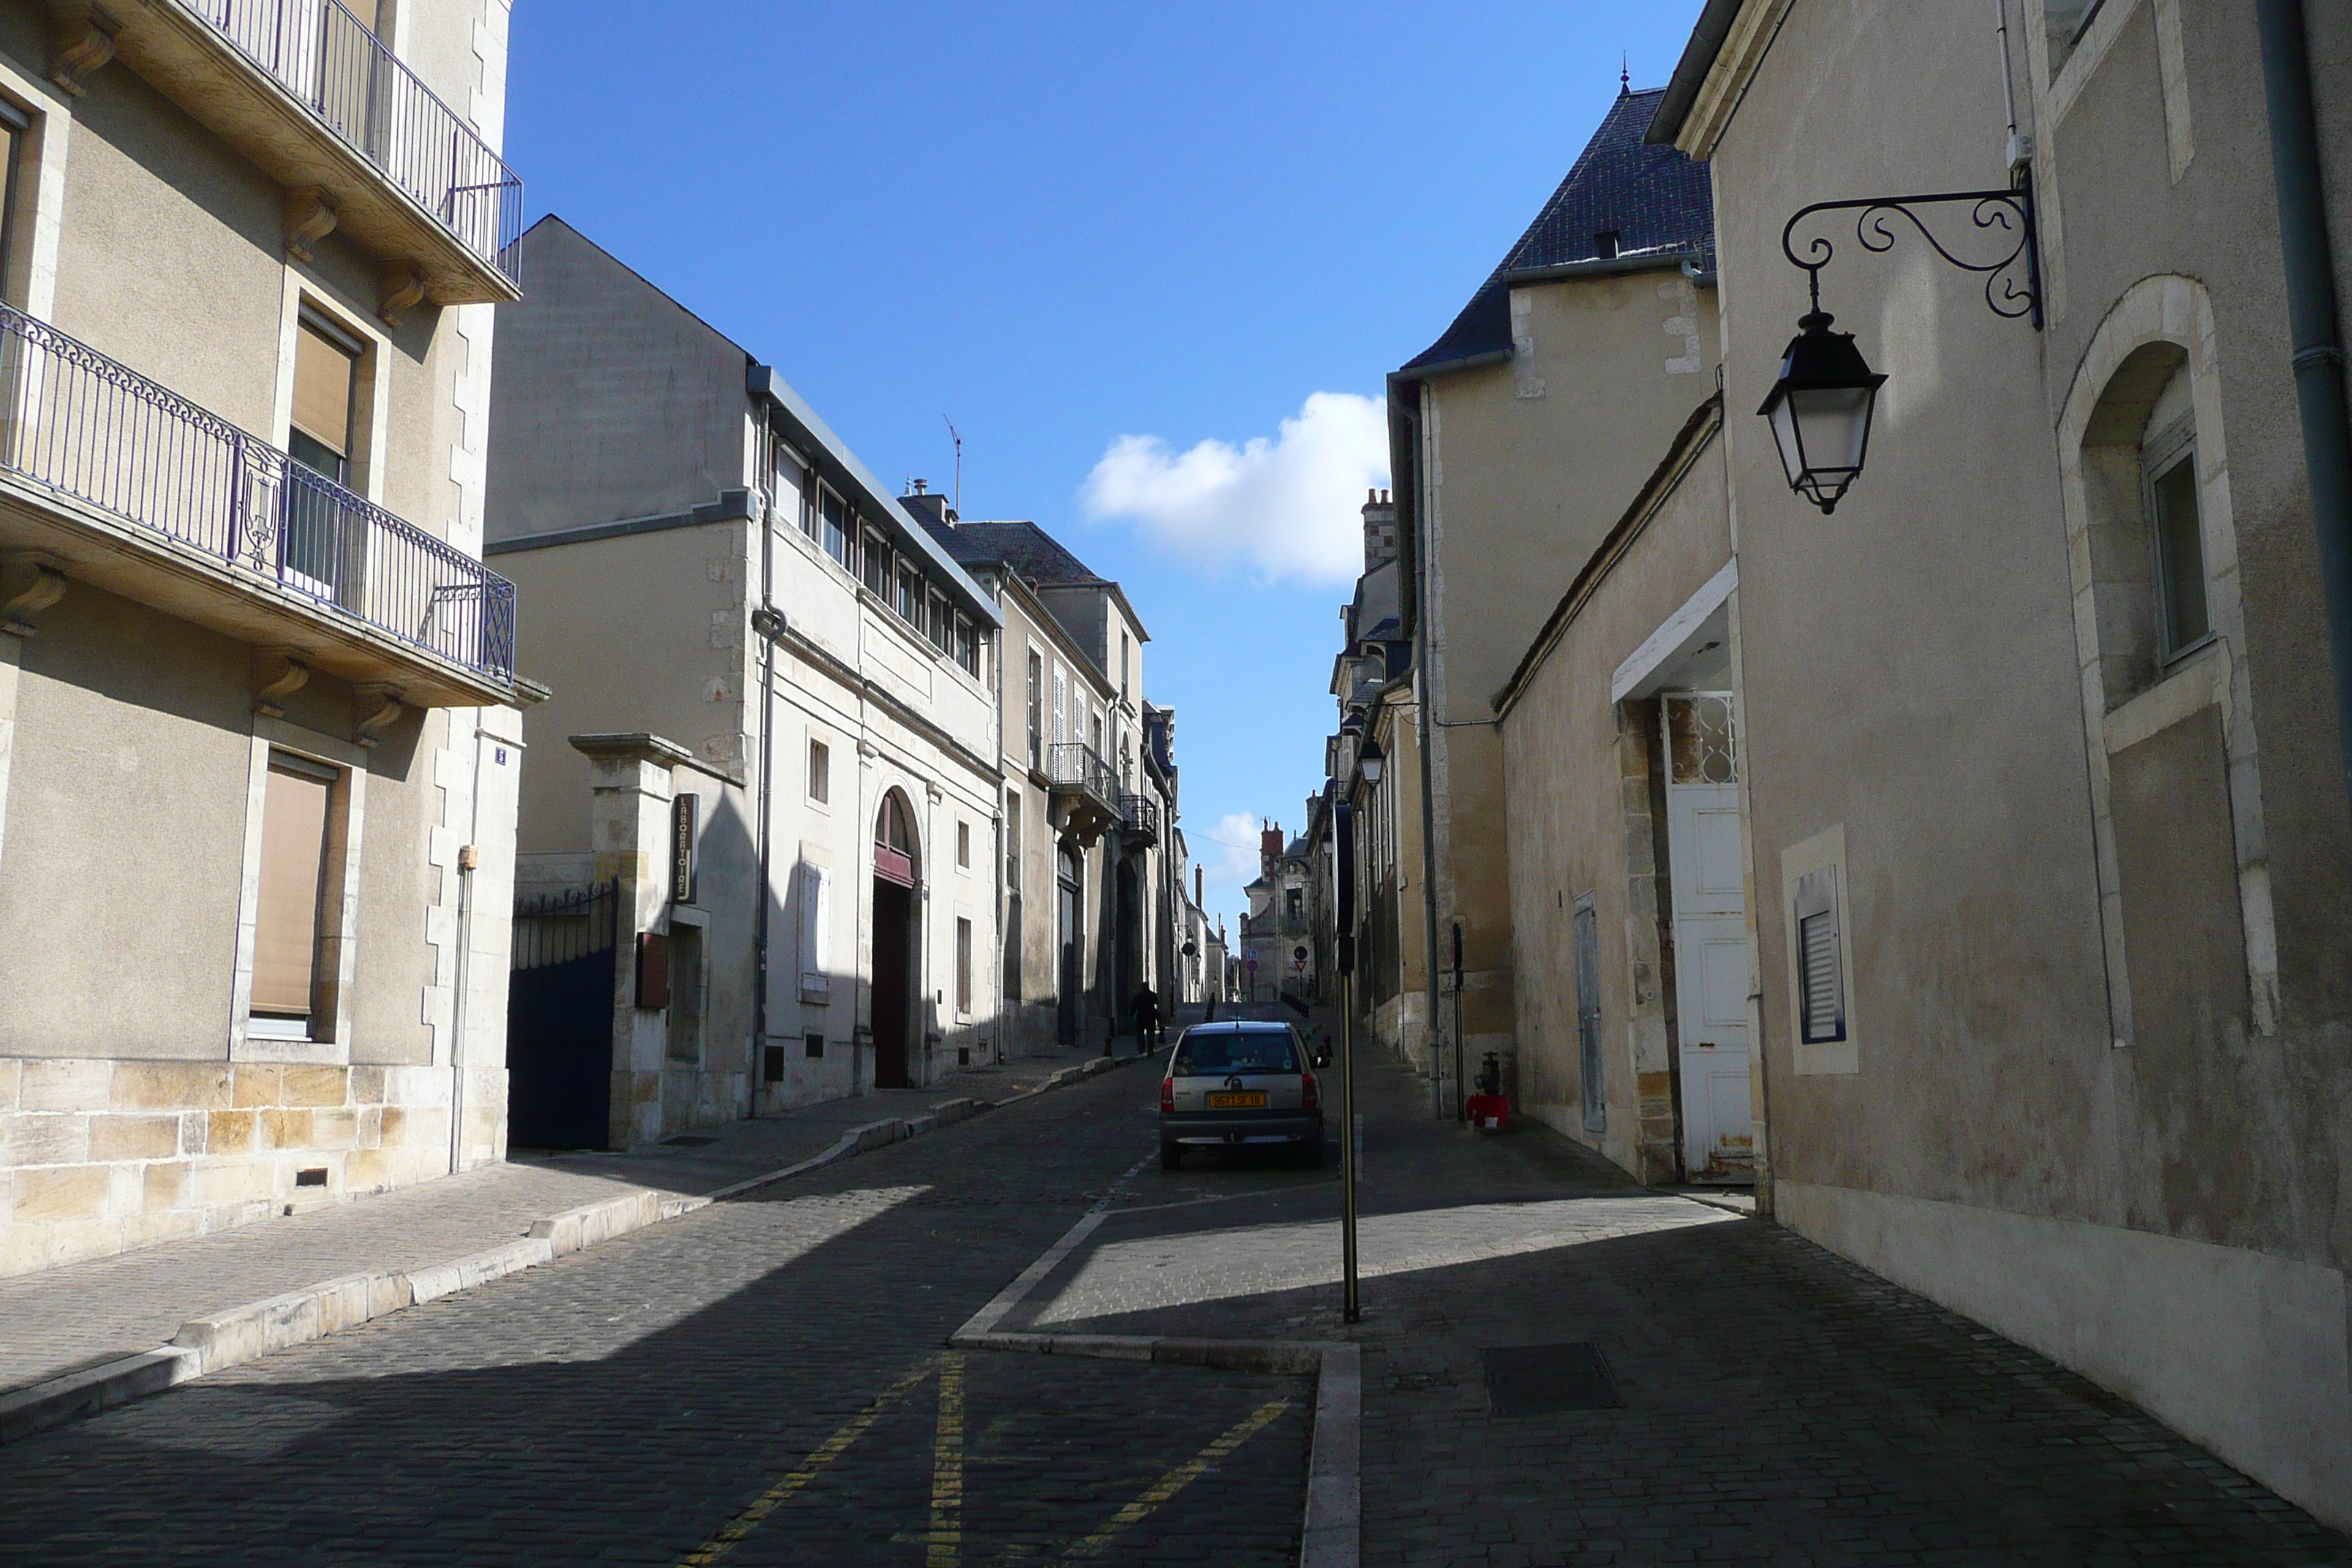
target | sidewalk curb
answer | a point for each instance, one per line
(246, 1333)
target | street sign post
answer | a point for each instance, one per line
(1343, 902)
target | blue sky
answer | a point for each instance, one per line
(1088, 232)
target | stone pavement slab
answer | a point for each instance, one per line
(1780, 1405)
(659, 1401)
(66, 1320)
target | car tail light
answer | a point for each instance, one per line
(1310, 1096)
(1167, 1094)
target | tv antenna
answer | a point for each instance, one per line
(959, 464)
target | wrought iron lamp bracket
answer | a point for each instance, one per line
(2012, 287)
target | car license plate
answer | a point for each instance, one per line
(1235, 1101)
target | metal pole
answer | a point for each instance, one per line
(1348, 1146)
(2318, 357)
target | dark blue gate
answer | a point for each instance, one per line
(560, 1020)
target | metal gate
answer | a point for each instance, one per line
(560, 1020)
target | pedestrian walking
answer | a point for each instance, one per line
(1146, 1008)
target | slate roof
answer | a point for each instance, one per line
(1028, 549)
(1655, 199)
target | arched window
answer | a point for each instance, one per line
(894, 841)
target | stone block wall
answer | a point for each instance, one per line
(98, 1156)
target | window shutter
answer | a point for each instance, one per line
(323, 375)
(293, 866)
(1821, 971)
(817, 928)
(1061, 708)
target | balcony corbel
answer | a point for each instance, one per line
(81, 39)
(375, 708)
(38, 586)
(396, 290)
(309, 218)
(277, 675)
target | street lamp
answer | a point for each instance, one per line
(1372, 760)
(1820, 410)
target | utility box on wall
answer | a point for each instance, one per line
(653, 970)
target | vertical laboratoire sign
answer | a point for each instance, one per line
(682, 821)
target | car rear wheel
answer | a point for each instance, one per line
(1171, 1155)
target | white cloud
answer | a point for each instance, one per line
(1235, 863)
(1288, 507)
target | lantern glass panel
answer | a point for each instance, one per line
(1833, 421)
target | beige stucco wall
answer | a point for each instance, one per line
(1580, 805)
(133, 1104)
(1921, 674)
(1525, 464)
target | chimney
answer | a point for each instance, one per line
(1379, 530)
(930, 511)
(1269, 847)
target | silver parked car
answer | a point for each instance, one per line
(1240, 1083)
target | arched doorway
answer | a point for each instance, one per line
(894, 949)
(1069, 937)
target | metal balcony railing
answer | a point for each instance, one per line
(1140, 815)
(1072, 765)
(75, 421)
(337, 66)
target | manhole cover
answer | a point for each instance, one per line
(1536, 1380)
(690, 1141)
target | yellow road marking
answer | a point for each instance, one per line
(1176, 1481)
(947, 1468)
(833, 1448)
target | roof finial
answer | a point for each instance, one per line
(1624, 75)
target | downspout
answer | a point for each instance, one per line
(2318, 359)
(768, 622)
(1428, 788)
(469, 856)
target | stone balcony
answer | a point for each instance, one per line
(1083, 791)
(312, 96)
(109, 478)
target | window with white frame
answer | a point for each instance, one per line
(877, 566)
(15, 134)
(2175, 527)
(1821, 960)
(290, 913)
(967, 646)
(820, 771)
(1036, 709)
(839, 527)
(963, 967)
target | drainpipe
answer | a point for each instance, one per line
(768, 623)
(2318, 359)
(469, 856)
(1421, 692)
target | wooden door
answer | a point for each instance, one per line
(1705, 865)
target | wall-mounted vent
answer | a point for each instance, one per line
(315, 1176)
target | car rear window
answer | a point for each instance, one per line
(1248, 1050)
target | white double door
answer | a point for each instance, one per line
(1710, 922)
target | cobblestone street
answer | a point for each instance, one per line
(654, 1400)
(763, 1381)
